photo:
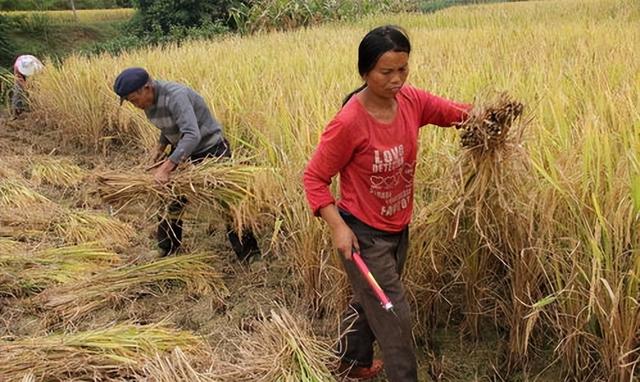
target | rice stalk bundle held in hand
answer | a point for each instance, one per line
(212, 183)
(116, 352)
(488, 126)
(75, 300)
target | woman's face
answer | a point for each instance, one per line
(387, 77)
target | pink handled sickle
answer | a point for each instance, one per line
(373, 284)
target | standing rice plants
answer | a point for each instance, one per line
(117, 352)
(74, 301)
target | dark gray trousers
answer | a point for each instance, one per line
(169, 233)
(385, 254)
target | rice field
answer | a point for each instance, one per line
(532, 249)
(82, 15)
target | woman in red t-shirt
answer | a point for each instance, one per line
(372, 143)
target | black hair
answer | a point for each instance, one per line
(383, 39)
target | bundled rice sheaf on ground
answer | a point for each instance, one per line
(74, 301)
(56, 172)
(281, 347)
(114, 353)
(28, 273)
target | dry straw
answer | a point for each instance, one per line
(57, 172)
(213, 181)
(282, 348)
(75, 300)
(28, 273)
(118, 352)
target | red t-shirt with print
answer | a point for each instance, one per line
(376, 161)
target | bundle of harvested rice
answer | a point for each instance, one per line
(178, 367)
(494, 168)
(78, 226)
(212, 183)
(33, 272)
(116, 352)
(57, 172)
(282, 348)
(32, 222)
(488, 125)
(8, 246)
(14, 193)
(73, 226)
(75, 300)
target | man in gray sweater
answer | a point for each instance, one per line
(187, 125)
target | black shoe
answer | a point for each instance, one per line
(245, 248)
(169, 236)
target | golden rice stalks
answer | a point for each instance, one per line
(57, 172)
(487, 128)
(175, 367)
(283, 348)
(29, 273)
(212, 183)
(8, 246)
(115, 352)
(14, 193)
(72, 301)
(32, 222)
(78, 226)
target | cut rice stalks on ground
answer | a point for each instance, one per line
(73, 301)
(117, 352)
(28, 273)
(8, 246)
(282, 348)
(57, 172)
(212, 184)
(73, 226)
(177, 367)
(78, 226)
(15, 193)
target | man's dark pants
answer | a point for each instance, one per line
(385, 254)
(169, 232)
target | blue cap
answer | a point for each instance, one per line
(130, 80)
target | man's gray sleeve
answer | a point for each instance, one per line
(185, 118)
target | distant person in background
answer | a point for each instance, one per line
(187, 125)
(372, 143)
(24, 67)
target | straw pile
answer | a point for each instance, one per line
(76, 300)
(116, 352)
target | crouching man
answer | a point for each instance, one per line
(187, 125)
